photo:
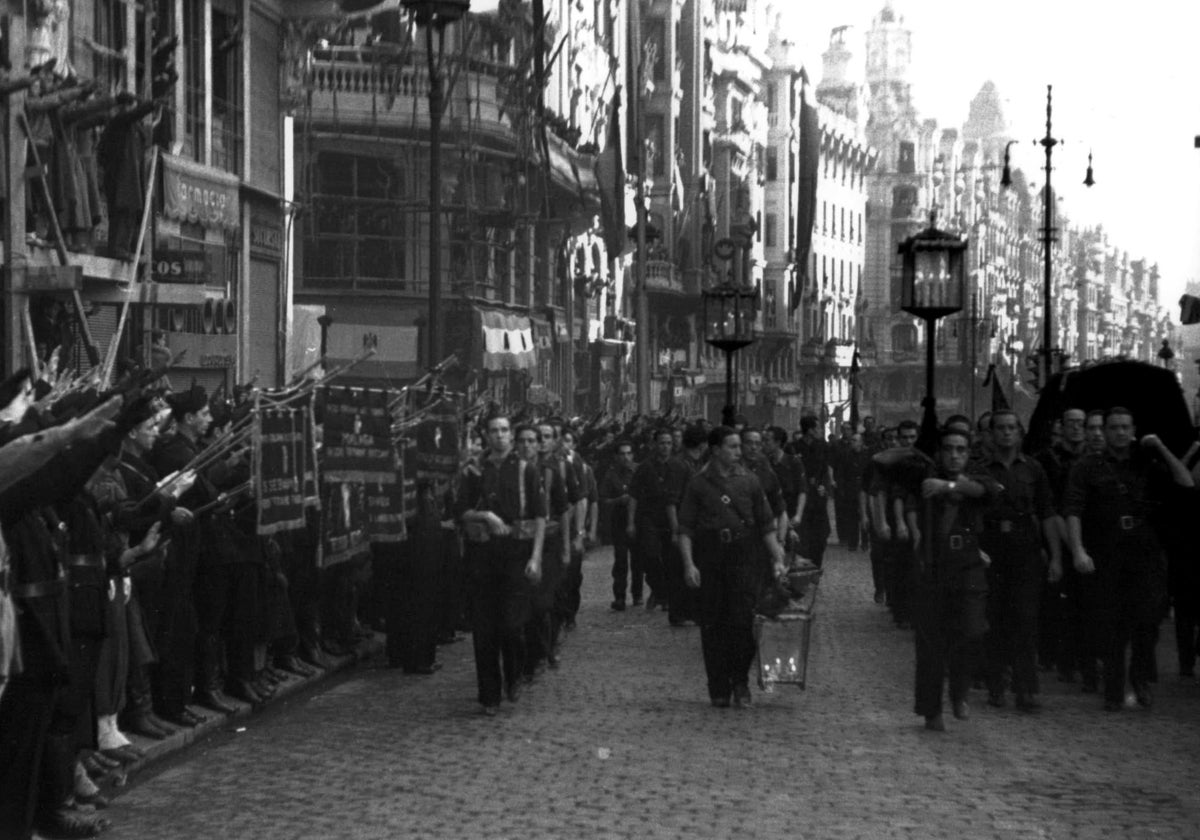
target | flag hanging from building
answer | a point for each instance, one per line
(610, 175)
(806, 193)
(999, 400)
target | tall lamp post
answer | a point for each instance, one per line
(434, 15)
(730, 310)
(1049, 352)
(932, 286)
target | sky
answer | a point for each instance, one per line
(1126, 87)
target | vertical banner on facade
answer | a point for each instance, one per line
(278, 468)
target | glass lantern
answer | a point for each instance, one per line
(933, 278)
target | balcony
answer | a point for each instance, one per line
(663, 278)
(369, 88)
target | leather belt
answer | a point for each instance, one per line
(1130, 523)
(40, 589)
(961, 541)
(726, 536)
(85, 561)
(1007, 526)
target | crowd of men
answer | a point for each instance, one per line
(136, 595)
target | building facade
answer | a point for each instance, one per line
(160, 206)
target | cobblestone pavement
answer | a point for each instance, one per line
(621, 742)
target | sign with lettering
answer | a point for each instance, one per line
(200, 194)
(266, 237)
(279, 466)
(171, 266)
(357, 441)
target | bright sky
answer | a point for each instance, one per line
(1125, 87)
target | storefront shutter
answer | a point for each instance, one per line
(263, 322)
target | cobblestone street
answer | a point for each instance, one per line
(622, 742)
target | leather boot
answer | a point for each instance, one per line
(142, 723)
(244, 691)
(208, 678)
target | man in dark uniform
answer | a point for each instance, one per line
(40, 705)
(681, 598)
(614, 500)
(1020, 515)
(847, 473)
(558, 482)
(944, 511)
(650, 525)
(755, 461)
(815, 528)
(789, 469)
(724, 523)
(1110, 501)
(1064, 640)
(502, 508)
(895, 532)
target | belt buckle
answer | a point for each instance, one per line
(725, 535)
(1006, 526)
(956, 542)
(1126, 523)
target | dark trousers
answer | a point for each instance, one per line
(681, 598)
(499, 612)
(944, 649)
(627, 566)
(26, 709)
(1014, 589)
(544, 626)
(849, 528)
(730, 578)
(814, 529)
(1127, 593)
(878, 548)
(900, 579)
(228, 605)
(1187, 630)
(650, 546)
(411, 614)
(570, 591)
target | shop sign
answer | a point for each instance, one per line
(171, 266)
(264, 237)
(200, 194)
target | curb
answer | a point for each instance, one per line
(157, 751)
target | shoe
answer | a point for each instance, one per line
(215, 700)
(569, 625)
(903, 625)
(127, 754)
(880, 597)
(1027, 703)
(1113, 705)
(721, 702)
(1187, 676)
(490, 711)
(552, 661)
(996, 699)
(104, 761)
(68, 823)
(313, 657)
(637, 602)
(619, 606)
(263, 688)
(514, 691)
(93, 768)
(143, 724)
(741, 697)
(425, 670)
(961, 712)
(294, 665)
(197, 718)
(161, 724)
(934, 723)
(1066, 676)
(677, 622)
(97, 800)
(1091, 685)
(244, 691)
(651, 603)
(1144, 695)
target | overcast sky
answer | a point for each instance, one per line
(1126, 81)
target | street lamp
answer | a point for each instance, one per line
(1049, 352)
(729, 313)
(434, 15)
(933, 280)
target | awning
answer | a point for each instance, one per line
(507, 340)
(200, 194)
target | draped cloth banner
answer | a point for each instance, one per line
(344, 534)
(279, 466)
(357, 437)
(386, 511)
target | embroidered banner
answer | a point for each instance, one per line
(343, 522)
(357, 437)
(279, 467)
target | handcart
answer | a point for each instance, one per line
(783, 638)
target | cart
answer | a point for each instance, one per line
(783, 640)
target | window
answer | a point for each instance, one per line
(108, 38)
(735, 114)
(772, 164)
(657, 141)
(228, 133)
(194, 79)
(355, 238)
(772, 95)
(906, 162)
(770, 233)
(904, 338)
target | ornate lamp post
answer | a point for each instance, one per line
(434, 15)
(729, 313)
(1052, 356)
(933, 282)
